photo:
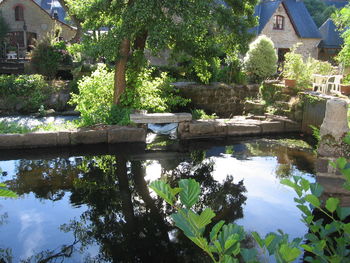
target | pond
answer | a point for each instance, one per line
(93, 204)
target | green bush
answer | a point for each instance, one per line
(95, 96)
(145, 92)
(260, 61)
(49, 55)
(199, 114)
(10, 127)
(29, 90)
(296, 68)
(154, 94)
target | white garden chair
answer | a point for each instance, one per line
(319, 82)
(333, 83)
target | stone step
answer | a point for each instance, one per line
(160, 117)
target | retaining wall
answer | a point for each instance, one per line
(219, 98)
(107, 134)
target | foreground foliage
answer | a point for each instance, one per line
(328, 239)
(342, 19)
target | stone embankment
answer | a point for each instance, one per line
(97, 135)
(237, 126)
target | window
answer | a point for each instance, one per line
(55, 15)
(278, 22)
(16, 38)
(19, 13)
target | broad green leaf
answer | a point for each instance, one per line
(249, 255)
(230, 242)
(305, 184)
(312, 199)
(4, 192)
(183, 223)
(346, 228)
(258, 239)
(332, 204)
(201, 242)
(341, 162)
(175, 191)
(316, 189)
(163, 190)
(190, 192)
(305, 210)
(215, 230)
(343, 212)
(288, 182)
(269, 239)
(289, 254)
(202, 220)
(307, 247)
(218, 246)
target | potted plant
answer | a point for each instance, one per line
(345, 86)
(293, 68)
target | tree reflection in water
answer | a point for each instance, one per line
(122, 218)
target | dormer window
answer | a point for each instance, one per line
(55, 15)
(19, 13)
(278, 22)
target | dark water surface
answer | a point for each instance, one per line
(93, 204)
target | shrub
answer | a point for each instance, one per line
(49, 55)
(198, 114)
(95, 96)
(261, 60)
(29, 90)
(296, 68)
(154, 94)
(145, 92)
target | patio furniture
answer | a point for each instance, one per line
(333, 83)
(319, 82)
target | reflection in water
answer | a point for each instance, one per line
(121, 221)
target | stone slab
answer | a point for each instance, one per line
(272, 127)
(88, 137)
(28, 140)
(126, 134)
(292, 127)
(160, 117)
(63, 138)
(202, 127)
(243, 129)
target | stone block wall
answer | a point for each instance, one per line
(219, 98)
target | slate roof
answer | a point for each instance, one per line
(303, 23)
(330, 35)
(52, 6)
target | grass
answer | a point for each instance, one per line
(15, 128)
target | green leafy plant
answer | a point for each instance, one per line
(261, 60)
(346, 80)
(198, 114)
(295, 68)
(10, 127)
(29, 90)
(224, 242)
(5, 192)
(49, 55)
(328, 239)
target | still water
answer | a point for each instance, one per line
(94, 204)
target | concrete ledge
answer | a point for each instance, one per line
(238, 126)
(160, 117)
(108, 134)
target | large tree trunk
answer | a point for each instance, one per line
(120, 70)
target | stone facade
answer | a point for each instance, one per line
(219, 98)
(35, 19)
(287, 37)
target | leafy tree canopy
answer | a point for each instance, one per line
(319, 10)
(199, 27)
(342, 19)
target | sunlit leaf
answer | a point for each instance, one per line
(163, 190)
(215, 230)
(190, 192)
(332, 204)
(312, 199)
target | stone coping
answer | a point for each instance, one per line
(238, 126)
(108, 134)
(160, 117)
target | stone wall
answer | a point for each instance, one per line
(36, 19)
(314, 109)
(287, 37)
(219, 98)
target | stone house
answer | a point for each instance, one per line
(29, 21)
(288, 22)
